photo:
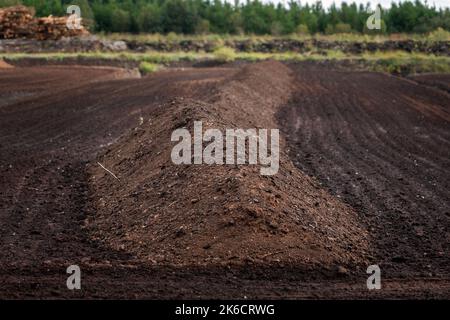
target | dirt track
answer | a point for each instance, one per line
(378, 143)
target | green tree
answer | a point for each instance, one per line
(120, 20)
(342, 28)
(251, 16)
(302, 29)
(149, 19)
(202, 26)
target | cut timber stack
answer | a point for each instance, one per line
(54, 28)
(19, 22)
(15, 22)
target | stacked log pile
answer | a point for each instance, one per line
(54, 28)
(15, 22)
(19, 22)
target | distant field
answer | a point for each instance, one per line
(397, 62)
(437, 35)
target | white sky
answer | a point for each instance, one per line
(384, 3)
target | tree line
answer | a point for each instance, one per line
(250, 17)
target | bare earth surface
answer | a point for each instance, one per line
(439, 81)
(364, 179)
(381, 144)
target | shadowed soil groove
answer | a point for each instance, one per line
(363, 179)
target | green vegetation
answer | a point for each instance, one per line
(225, 54)
(148, 67)
(437, 35)
(400, 62)
(249, 17)
(397, 62)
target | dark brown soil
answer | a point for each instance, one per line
(382, 144)
(74, 61)
(280, 237)
(439, 81)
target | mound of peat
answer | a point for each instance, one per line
(228, 214)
